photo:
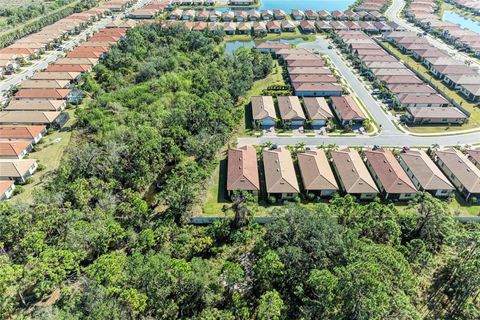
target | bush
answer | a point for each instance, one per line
(272, 200)
(297, 199)
(40, 167)
(18, 190)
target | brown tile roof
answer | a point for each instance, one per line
(263, 107)
(317, 108)
(305, 63)
(273, 45)
(422, 98)
(316, 172)
(428, 175)
(32, 105)
(83, 61)
(411, 88)
(290, 108)
(56, 76)
(389, 172)
(347, 108)
(462, 168)
(5, 185)
(243, 169)
(44, 84)
(20, 132)
(68, 68)
(13, 148)
(318, 87)
(313, 78)
(42, 93)
(474, 155)
(280, 174)
(352, 172)
(30, 117)
(400, 80)
(436, 113)
(15, 168)
(308, 70)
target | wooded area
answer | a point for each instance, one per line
(163, 104)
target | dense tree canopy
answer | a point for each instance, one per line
(108, 237)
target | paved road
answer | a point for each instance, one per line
(321, 45)
(52, 56)
(390, 135)
(394, 14)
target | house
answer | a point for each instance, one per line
(440, 71)
(254, 15)
(279, 14)
(244, 27)
(68, 68)
(464, 175)
(202, 15)
(263, 111)
(241, 16)
(436, 115)
(274, 26)
(314, 62)
(229, 27)
(297, 14)
(474, 156)
(306, 89)
(312, 78)
(347, 110)
(338, 15)
(267, 15)
(323, 26)
(18, 170)
(22, 133)
(49, 94)
(318, 111)
(391, 179)
(36, 105)
(311, 14)
(70, 76)
(228, 16)
(324, 15)
(51, 119)
(422, 100)
(415, 89)
(287, 26)
(259, 27)
(242, 172)
(7, 188)
(15, 149)
(188, 15)
(307, 26)
(215, 16)
(353, 174)
(280, 178)
(308, 70)
(317, 175)
(272, 46)
(45, 84)
(200, 26)
(424, 173)
(471, 92)
(291, 111)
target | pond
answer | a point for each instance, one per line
(463, 22)
(289, 5)
(231, 46)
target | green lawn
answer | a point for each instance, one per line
(272, 36)
(474, 121)
(49, 153)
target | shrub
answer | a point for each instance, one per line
(272, 200)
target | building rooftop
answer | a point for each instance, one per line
(316, 171)
(280, 174)
(243, 169)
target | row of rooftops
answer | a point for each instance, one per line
(376, 171)
(150, 10)
(449, 69)
(40, 100)
(254, 15)
(422, 12)
(409, 90)
(471, 5)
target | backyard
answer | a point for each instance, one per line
(474, 120)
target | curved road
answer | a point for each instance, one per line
(390, 135)
(393, 13)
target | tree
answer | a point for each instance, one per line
(270, 306)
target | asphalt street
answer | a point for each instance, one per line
(52, 56)
(394, 14)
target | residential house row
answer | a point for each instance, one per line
(50, 37)
(39, 104)
(454, 73)
(363, 175)
(423, 14)
(423, 104)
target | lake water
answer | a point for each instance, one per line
(463, 22)
(231, 46)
